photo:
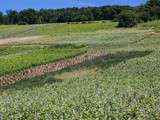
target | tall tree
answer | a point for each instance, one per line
(13, 16)
(29, 16)
(154, 8)
(5, 20)
(153, 3)
(1, 18)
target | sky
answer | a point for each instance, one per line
(54, 4)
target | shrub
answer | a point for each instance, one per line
(128, 19)
(22, 23)
(84, 22)
(145, 17)
(90, 22)
(103, 21)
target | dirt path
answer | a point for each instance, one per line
(16, 39)
(49, 68)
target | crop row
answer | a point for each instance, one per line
(48, 68)
(13, 60)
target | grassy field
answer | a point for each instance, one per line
(52, 29)
(125, 85)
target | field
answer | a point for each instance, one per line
(124, 85)
(19, 58)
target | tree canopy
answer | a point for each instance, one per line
(31, 16)
(127, 16)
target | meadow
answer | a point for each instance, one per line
(52, 29)
(124, 85)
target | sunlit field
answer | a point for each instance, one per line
(124, 85)
(16, 59)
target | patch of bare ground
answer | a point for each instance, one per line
(75, 74)
(17, 39)
(5, 46)
(49, 68)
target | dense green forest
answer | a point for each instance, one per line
(126, 15)
(31, 16)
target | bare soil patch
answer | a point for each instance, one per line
(75, 74)
(17, 39)
(5, 46)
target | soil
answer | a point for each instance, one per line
(17, 39)
(75, 74)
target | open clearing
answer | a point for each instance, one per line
(126, 84)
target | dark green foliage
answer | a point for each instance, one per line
(153, 3)
(13, 16)
(143, 13)
(153, 7)
(1, 17)
(22, 23)
(127, 19)
(149, 11)
(31, 16)
(5, 20)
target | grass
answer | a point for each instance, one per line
(155, 25)
(90, 27)
(125, 86)
(52, 29)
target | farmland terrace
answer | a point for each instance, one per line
(123, 85)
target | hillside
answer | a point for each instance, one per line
(123, 85)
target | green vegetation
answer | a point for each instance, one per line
(124, 86)
(80, 27)
(19, 58)
(143, 13)
(31, 16)
(16, 30)
(127, 16)
(52, 29)
(154, 25)
(128, 19)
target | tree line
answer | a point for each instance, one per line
(127, 16)
(31, 16)
(143, 13)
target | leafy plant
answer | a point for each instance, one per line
(128, 19)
